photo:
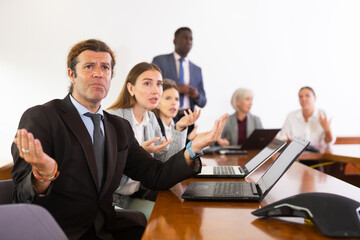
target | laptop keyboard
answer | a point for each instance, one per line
(225, 170)
(233, 189)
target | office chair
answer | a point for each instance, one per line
(28, 221)
(6, 187)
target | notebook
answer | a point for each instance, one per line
(247, 191)
(244, 171)
(258, 139)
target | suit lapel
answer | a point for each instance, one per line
(111, 152)
(235, 131)
(172, 67)
(192, 73)
(249, 125)
(73, 120)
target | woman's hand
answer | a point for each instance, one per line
(324, 121)
(205, 139)
(150, 148)
(223, 142)
(187, 120)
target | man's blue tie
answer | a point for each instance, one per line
(99, 145)
(181, 79)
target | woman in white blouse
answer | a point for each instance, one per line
(308, 122)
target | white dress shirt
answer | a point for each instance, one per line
(132, 186)
(139, 128)
(168, 129)
(295, 125)
(87, 120)
(150, 129)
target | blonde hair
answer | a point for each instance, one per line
(239, 94)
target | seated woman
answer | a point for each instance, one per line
(140, 94)
(168, 108)
(242, 123)
(308, 122)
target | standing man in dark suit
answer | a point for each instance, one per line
(177, 66)
(58, 163)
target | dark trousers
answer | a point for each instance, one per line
(130, 225)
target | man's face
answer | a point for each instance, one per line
(93, 77)
(183, 43)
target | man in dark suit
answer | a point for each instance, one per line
(176, 66)
(58, 165)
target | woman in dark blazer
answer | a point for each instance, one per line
(168, 108)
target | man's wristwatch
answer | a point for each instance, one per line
(191, 152)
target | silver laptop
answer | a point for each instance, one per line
(247, 191)
(244, 171)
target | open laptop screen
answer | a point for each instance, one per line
(263, 154)
(259, 138)
(282, 163)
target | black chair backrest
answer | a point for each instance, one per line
(6, 188)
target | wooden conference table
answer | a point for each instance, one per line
(347, 153)
(174, 218)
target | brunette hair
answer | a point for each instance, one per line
(92, 45)
(125, 100)
(309, 88)
(167, 84)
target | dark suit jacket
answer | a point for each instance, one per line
(168, 67)
(74, 199)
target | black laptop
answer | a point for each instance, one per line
(244, 171)
(258, 139)
(247, 191)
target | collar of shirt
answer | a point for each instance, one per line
(87, 120)
(314, 116)
(168, 129)
(82, 110)
(144, 122)
(239, 121)
(139, 128)
(177, 57)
